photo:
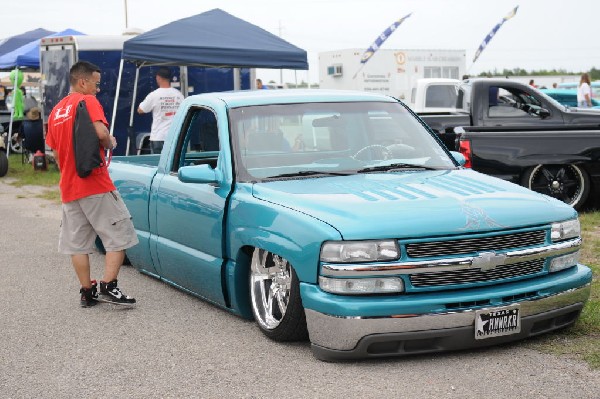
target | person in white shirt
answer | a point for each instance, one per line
(163, 102)
(584, 92)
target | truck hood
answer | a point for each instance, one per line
(413, 204)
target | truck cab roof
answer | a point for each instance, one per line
(288, 96)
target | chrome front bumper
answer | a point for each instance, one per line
(335, 335)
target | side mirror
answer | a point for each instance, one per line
(458, 157)
(543, 113)
(198, 174)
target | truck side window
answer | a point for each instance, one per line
(506, 103)
(199, 142)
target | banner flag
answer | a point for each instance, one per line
(380, 39)
(493, 32)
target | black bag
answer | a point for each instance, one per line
(86, 144)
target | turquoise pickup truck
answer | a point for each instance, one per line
(338, 217)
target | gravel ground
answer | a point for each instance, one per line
(173, 345)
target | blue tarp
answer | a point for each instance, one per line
(214, 38)
(28, 55)
(13, 42)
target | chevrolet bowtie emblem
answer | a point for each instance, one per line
(488, 260)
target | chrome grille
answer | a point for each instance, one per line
(465, 276)
(472, 245)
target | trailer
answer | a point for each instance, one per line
(391, 72)
(58, 54)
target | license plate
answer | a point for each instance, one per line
(490, 323)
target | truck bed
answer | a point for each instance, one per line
(134, 175)
(143, 160)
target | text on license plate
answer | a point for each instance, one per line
(497, 322)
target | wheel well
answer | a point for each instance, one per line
(237, 282)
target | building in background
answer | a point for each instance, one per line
(392, 72)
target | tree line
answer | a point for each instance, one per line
(594, 73)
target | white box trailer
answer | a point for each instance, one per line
(58, 54)
(392, 72)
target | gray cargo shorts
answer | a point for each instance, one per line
(104, 215)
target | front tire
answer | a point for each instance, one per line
(3, 164)
(568, 183)
(275, 297)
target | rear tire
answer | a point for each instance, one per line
(568, 183)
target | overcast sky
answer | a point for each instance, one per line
(545, 34)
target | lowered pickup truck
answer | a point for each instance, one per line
(515, 132)
(339, 217)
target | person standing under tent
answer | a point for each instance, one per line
(163, 102)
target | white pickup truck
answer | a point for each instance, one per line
(434, 95)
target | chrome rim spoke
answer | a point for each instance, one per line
(271, 281)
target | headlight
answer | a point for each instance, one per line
(565, 230)
(564, 262)
(361, 286)
(359, 251)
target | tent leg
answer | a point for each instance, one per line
(12, 113)
(114, 113)
(237, 79)
(130, 141)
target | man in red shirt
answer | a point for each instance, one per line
(91, 206)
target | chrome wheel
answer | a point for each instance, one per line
(270, 285)
(275, 297)
(16, 145)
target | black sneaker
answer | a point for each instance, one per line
(109, 292)
(89, 296)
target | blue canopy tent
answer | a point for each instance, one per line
(28, 55)
(211, 39)
(13, 42)
(214, 38)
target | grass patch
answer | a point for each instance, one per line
(25, 175)
(583, 339)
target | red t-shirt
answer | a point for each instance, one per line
(60, 138)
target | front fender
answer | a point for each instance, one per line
(291, 234)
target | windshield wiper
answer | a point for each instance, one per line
(393, 166)
(309, 173)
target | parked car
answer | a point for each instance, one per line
(567, 97)
(575, 85)
(368, 237)
(515, 132)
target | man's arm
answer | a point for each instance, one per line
(56, 158)
(109, 142)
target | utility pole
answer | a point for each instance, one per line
(126, 22)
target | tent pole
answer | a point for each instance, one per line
(12, 112)
(183, 81)
(132, 111)
(237, 81)
(114, 113)
(252, 78)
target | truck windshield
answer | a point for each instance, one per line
(311, 139)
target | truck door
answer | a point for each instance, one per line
(186, 219)
(509, 106)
